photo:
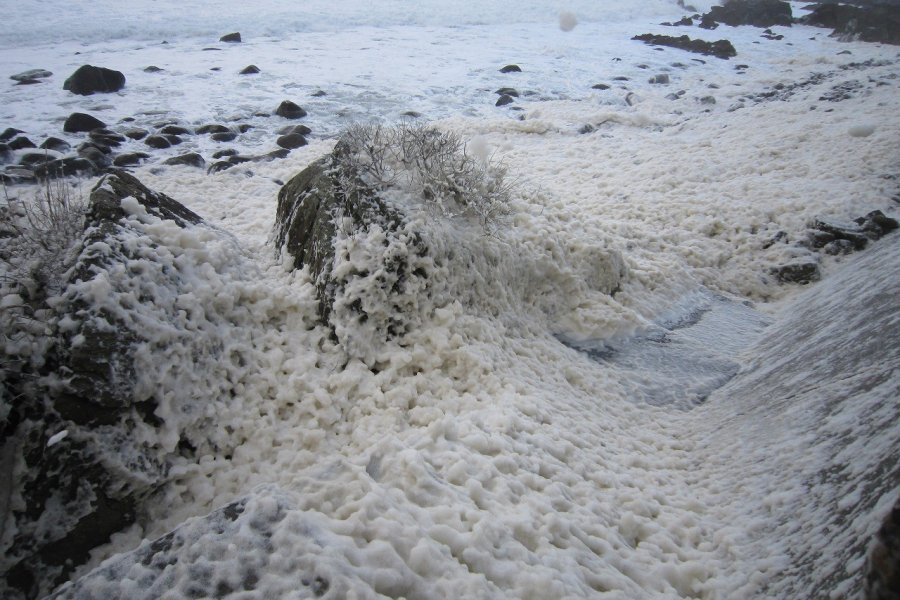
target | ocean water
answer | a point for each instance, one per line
(535, 435)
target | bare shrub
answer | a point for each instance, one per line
(430, 164)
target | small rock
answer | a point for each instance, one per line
(504, 100)
(89, 79)
(219, 166)
(411, 114)
(225, 153)
(6, 155)
(800, 271)
(511, 69)
(95, 155)
(289, 110)
(231, 38)
(9, 133)
(152, 69)
(842, 231)
(20, 143)
(157, 141)
(79, 122)
(107, 138)
(291, 141)
(708, 100)
(599, 86)
(838, 247)
(31, 75)
(224, 136)
(244, 127)
(175, 130)
(30, 159)
(66, 167)
(585, 129)
(191, 159)
(54, 143)
(136, 134)
(130, 159)
(507, 91)
(301, 129)
(877, 223)
(250, 70)
(94, 146)
(319, 94)
(205, 129)
(173, 140)
(662, 78)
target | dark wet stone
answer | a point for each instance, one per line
(107, 138)
(291, 141)
(225, 136)
(66, 167)
(318, 94)
(9, 133)
(152, 69)
(511, 69)
(191, 159)
(89, 79)
(136, 134)
(300, 129)
(661, 79)
(224, 153)
(720, 49)
(214, 128)
(507, 91)
(231, 38)
(289, 110)
(250, 70)
(20, 143)
(221, 165)
(800, 271)
(31, 75)
(80, 122)
(504, 100)
(759, 13)
(157, 141)
(31, 159)
(599, 86)
(130, 159)
(54, 143)
(174, 130)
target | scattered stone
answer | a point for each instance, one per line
(102, 149)
(224, 136)
(250, 70)
(720, 49)
(291, 141)
(107, 138)
(759, 13)
(215, 68)
(504, 100)
(157, 141)
(511, 69)
(802, 271)
(17, 175)
(244, 127)
(224, 153)
(273, 155)
(289, 110)
(842, 231)
(67, 167)
(30, 159)
(89, 80)
(877, 223)
(585, 129)
(191, 159)
(95, 155)
(56, 144)
(20, 143)
(599, 86)
(707, 22)
(620, 78)
(707, 100)
(173, 140)
(9, 133)
(319, 94)
(300, 129)
(80, 122)
(6, 155)
(221, 165)
(130, 159)
(152, 69)
(231, 38)
(662, 79)
(136, 134)
(31, 75)
(507, 91)
(205, 129)
(175, 130)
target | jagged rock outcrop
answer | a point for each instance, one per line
(867, 23)
(91, 431)
(759, 13)
(720, 49)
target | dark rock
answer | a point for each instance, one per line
(250, 70)
(870, 23)
(89, 80)
(300, 129)
(585, 129)
(29, 81)
(9, 133)
(318, 94)
(79, 122)
(6, 154)
(96, 156)
(244, 127)
(157, 141)
(136, 134)
(291, 141)
(31, 75)
(707, 22)
(759, 13)
(289, 110)
(507, 91)
(225, 136)
(838, 247)
(876, 224)
(173, 140)
(215, 68)
(511, 69)
(818, 239)
(107, 138)
(662, 79)
(221, 165)
(799, 271)
(205, 129)
(237, 159)
(31, 159)
(231, 38)
(273, 155)
(130, 159)
(708, 100)
(620, 78)
(842, 231)
(54, 143)
(93, 145)
(20, 143)
(882, 569)
(174, 130)
(66, 167)
(720, 49)
(191, 159)
(224, 153)
(152, 69)
(504, 100)
(599, 86)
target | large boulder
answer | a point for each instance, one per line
(868, 23)
(88, 79)
(720, 49)
(80, 122)
(121, 318)
(759, 13)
